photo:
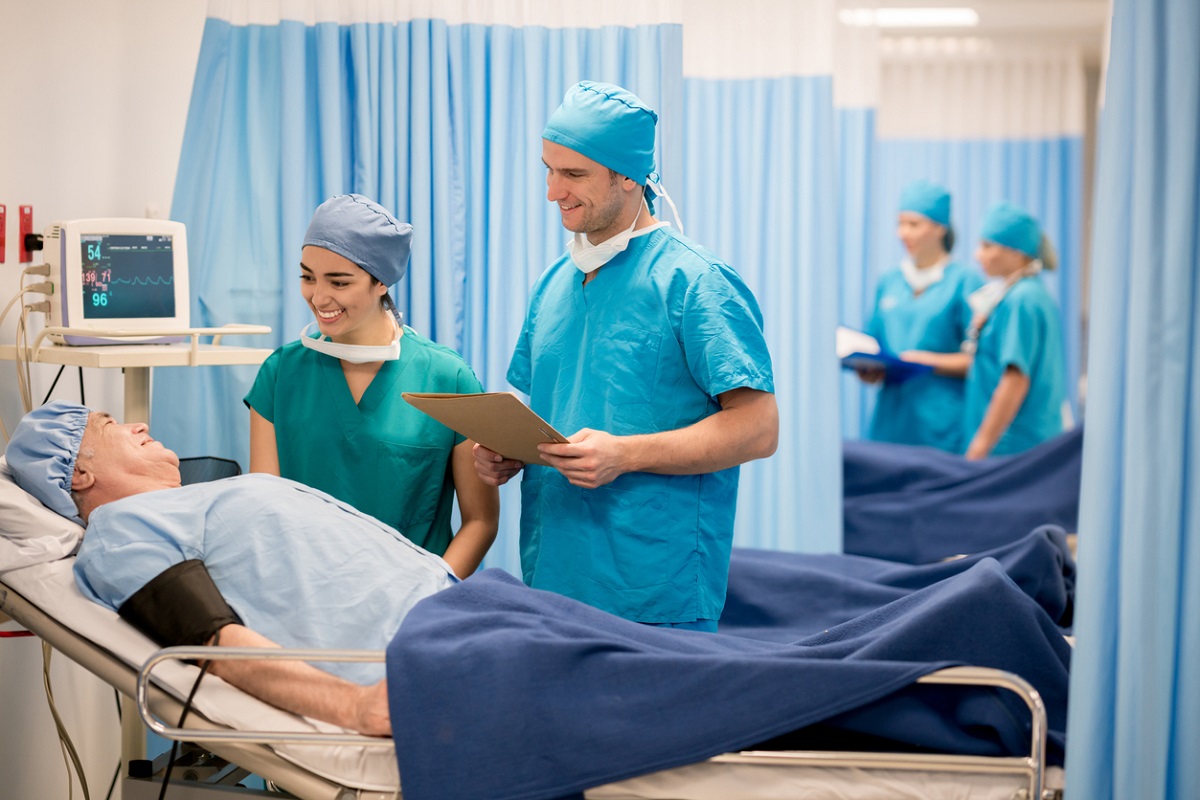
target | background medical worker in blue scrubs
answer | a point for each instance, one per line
(326, 410)
(650, 351)
(921, 313)
(1017, 384)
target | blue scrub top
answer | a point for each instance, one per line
(1023, 331)
(926, 410)
(645, 347)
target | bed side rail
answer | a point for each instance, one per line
(256, 654)
(1032, 767)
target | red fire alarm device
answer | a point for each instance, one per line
(26, 228)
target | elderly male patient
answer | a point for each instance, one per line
(248, 561)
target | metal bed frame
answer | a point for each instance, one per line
(250, 750)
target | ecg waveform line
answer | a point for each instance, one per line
(144, 281)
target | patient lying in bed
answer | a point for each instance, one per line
(246, 561)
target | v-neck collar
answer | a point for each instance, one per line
(372, 397)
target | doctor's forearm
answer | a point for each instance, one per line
(469, 546)
(746, 428)
(1002, 410)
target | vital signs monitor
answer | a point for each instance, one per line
(124, 275)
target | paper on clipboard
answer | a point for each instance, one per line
(497, 420)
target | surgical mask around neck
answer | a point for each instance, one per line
(919, 279)
(590, 257)
(354, 353)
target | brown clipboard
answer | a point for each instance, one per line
(497, 420)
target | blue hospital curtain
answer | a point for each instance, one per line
(990, 122)
(439, 119)
(1135, 679)
(758, 183)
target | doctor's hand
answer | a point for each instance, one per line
(493, 468)
(592, 459)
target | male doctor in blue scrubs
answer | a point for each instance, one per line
(650, 349)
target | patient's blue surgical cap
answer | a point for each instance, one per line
(609, 125)
(927, 199)
(41, 454)
(364, 232)
(1010, 226)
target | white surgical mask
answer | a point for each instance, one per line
(919, 279)
(354, 353)
(590, 257)
(983, 301)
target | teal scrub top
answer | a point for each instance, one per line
(381, 455)
(1023, 331)
(645, 347)
(928, 409)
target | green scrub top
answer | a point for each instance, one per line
(381, 455)
(928, 409)
(645, 347)
(1023, 331)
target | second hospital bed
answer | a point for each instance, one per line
(42, 596)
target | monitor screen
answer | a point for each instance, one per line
(127, 276)
(117, 278)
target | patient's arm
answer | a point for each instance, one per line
(302, 688)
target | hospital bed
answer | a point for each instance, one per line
(42, 597)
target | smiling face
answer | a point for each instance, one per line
(592, 199)
(346, 301)
(127, 449)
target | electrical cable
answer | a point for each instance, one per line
(70, 755)
(53, 383)
(187, 706)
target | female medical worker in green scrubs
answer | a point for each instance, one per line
(1016, 385)
(326, 410)
(921, 313)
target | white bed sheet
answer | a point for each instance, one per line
(51, 587)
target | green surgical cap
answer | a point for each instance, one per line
(609, 125)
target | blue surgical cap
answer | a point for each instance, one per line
(927, 199)
(609, 125)
(41, 454)
(363, 231)
(1010, 226)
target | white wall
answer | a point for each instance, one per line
(92, 109)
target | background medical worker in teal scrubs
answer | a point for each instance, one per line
(326, 410)
(921, 313)
(1017, 382)
(649, 351)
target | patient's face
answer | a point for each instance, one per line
(127, 450)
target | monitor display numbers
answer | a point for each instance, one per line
(127, 276)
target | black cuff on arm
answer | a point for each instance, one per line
(182, 606)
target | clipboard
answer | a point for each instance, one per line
(858, 350)
(497, 420)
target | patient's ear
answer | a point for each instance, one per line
(83, 478)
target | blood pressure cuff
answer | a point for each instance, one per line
(182, 606)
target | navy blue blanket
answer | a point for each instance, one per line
(783, 597)
(919, 505)
(501, 691)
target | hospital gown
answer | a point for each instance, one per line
(926, 410)
(1023, 331)
(288, 559)
(381, 455)
(646, 346)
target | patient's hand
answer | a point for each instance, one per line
(372, 715)
(493, 468)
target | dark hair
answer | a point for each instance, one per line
(948, 238)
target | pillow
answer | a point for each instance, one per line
(30, 533)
